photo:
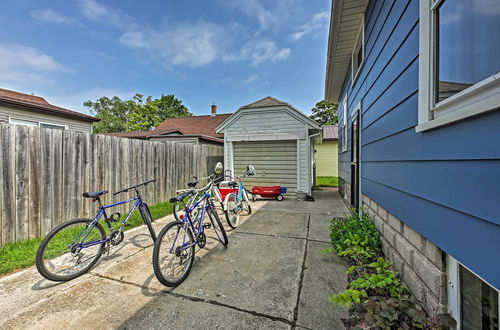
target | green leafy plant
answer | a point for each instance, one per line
(355, 238)
(378, 312)
(383, 282)
(348, 297)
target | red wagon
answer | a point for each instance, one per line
(270, 192)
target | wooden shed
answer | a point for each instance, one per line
(277, 139)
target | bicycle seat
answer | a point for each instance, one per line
(180, 197)
(232, 183)
(192, 184)
(94, 194)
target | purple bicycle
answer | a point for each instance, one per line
(74, 247)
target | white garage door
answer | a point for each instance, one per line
(275, 163)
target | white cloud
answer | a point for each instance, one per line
(193, 44)
(270, 15)
(254, 8)
(75, 101)
(318, 21)
(259, 51)
(14, 56)
(51, 16)
(23, 66)
(251, 79)
(94, 11)
(133, 39)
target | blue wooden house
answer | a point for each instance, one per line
(418, 88)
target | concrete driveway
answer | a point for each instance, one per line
(271, 276)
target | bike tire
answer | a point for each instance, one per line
(217, 226)
(226, 214)
(233, 218)
(177, 209)
(42, 249)
(148, 220)
(160, 246)
(246, 203)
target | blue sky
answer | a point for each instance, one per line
(228, 52)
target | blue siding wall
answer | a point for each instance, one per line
(444, 183)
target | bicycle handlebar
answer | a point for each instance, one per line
(134, 187)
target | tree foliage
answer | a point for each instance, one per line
(137, 114)
(325, 113)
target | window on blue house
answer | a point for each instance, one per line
(358, 53)
(473, 303)
(343, 127)
(459, 60)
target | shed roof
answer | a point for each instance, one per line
(330, 132)
(39, 104)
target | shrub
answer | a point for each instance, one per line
(355, 238)
(375, 296)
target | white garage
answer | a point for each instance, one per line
(277, 139)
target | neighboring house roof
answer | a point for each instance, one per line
(198, 136)
(198, 125)
(449, 86)
(267, 102)
(330, 132)
(345, 22)
(201, 127)
(39, 104)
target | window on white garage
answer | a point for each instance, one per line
(459, 60)
(23, 122)
(53, 126)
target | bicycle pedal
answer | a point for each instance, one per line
(207, 226)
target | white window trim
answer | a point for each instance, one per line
(37, 122)
(357, 110)
(477, 99)
(454, 289)
(361, 34)
(344, 124)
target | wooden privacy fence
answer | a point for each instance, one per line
(45, 171)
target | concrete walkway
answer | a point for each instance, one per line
(271, 276)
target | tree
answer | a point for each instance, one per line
(325, 113)
(137, 114)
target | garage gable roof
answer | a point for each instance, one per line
(267, 103)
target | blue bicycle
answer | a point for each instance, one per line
(174, 250)
(74, 247)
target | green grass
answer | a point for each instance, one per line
(327, 181)
(18, 255)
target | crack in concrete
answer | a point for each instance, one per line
(296, 310)
(283, 236)
(202, 300)
(268, 235)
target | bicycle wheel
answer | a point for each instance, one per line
(148, 219)
(226, 214)
(171, 261)
(217, 226)
(246, 203)
(232, 210)
(61, 257)
(177, 211)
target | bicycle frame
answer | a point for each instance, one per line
(102, 212)
(188, 221)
